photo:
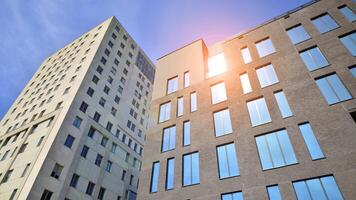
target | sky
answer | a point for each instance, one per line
(32, 30)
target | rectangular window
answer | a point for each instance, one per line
(193, 102)
(170, 174)
(324, 23)
(84, 151)
(83, 107)
(298, 34)
(265, 47)
(108, 166)
(333, 89)
(180, 108)
(273, 192)
(98, 159)
(57, 170)
(154, 177)
(172, 85)
(69, 141)
(245, 82)
(90, 188)
(46, 195)
(101, 193)
(164, 112)
(246, 55)
(77, 122)
(311, 141)
(232, 196)
(348, 13)
(353, 71)
(222, 123)
(317, 188)
(267, 76)
(227, 161)
(186, 133)
(186, 79)
(283, 104)
(275, 150)
(218, 93)
(191, 169)
(313, 58)
(216, 65)
(349, 41)
(168, 139)
(258, 112)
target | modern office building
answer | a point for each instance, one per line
(77, 129)
(266, 114)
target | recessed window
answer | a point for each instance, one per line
(96, 117)
(69, 141)
(246, 55)
(170, 174)
(349, 41)
(186, 79)
(216, 65)
(348, 13)
(98, 159)
(83, 107)
(84, 151)
(101, 193)
(265, 47)
(324, 23)
(311, 141)
(218, 93)
(154, 177)
(227, 161)
(267, 76)
(57, 170)
(298, 34)
(77, 122)
(172, 85)
(353, 71)
(191, 169)
(180, 107)
(333, 89)
(283, 104)
(164, 112)
(168, 138)
(245, 82)
(222, 122)
(108, 166)
(46, 195)
(186, 133)
(193, 102)
(275, 150)
(273, 192)
(258, 112)
(313, 59)
(232, 196)
(90, 188)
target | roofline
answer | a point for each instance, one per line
(200, 39)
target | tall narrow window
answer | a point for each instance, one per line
(164, 112)
(313, 58)
(245, 82)
(246, 55)
(275, 150)
(348, 13)
(266, 75)
(172, 85)
(324, 23)
(298, 34)
(265, 47)
(168, 139)
(349, 41)
(69, 141)
(283, 104)
(353, 71)
(193, 102)
(311, 141)
(258, 112)
(170, 174)
(57, 170)
(90, 188)
(46, 195)
(191, 169)
(216, 65)
(154, 177)
(317, 188)
(74, 180)
(273, 192)
(180, 107)
(218, 93)
(227, 161)
(186, 133)
(186, 79)
(222, 122)
(333, 89)
(232, 196)
(25, 170)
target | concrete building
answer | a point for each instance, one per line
(77, 129)
(267, 113)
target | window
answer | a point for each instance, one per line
(348, 13)
(164, 112)
(267, 76)
(275, 150)
(25, 170)
(168, 139)
(90, 188)
(123, 175)
(324, 23)
(222, 123)
(311, 141)
(104, 141)
(46, 195)
(191, 169)
(90, 91)
(108, 166)
(193, 102)
(317, 188)
(227, 161)
(154, 177)
(172, 85)
(258, 112)
(102, 102)
(5, 155)
(99, 69)
(101, 193)
(245, 82)
(7, 176)
(216, 65)
(283, 104)
(333, 89)
(273, 192)
(218, 93)
(180, 108)
(349, 41)
(246, 55)
(232, 196)
(298, 34)
(83, 107)
(13, 194)
(77, 121)
(170, 174)
(69, 141)
(313, 58)
(98, 159)
(265, 47)
(22, 148)
(57, 170)
(353, 71)
(84, 151)
(186, 79)
(95, 79)
(186, 133)
(96, 117)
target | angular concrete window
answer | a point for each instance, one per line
(246, 55)
(324, 23)
(216, 65)
(349, 41)
(245, 82)
(222, 122)
(313, 58)
(218, 93)
(348, 13)
(172, 85)
(258, 112)
(154, 177)
(298, 34)
(283, 104)
(191, 169)
(227, 161)
(267, 76)
(169, 139)
(164, 112)
(265, 47)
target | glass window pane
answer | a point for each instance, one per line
(324, 23)
(193, 102)
(315, 189)
(338, 87)
(246, 55)
(298, 34)
(311, 141)
(301, 190)
(232, 160)
(331, 188)
(327, 91)
(218, 93)
(283, 104)
(273, 193)
(267, 76)
(180, 106)
(349, 41)
(274, 148)
(353, 71)
(186, 79)
(333, 89)
(348, 13)
(223, 162)
(172, 85)
(245, 82)
(216, 65)
(164, 112)
(222, 123)
(232, 196)
(314, 59)
(187, 171)
(168, 142)
(195, 168)
(263, 152)
(258, 111)
(154, 177)
(186, 133)
(170, 174)
(286, 147)
(265, 47)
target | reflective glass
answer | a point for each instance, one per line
(218, 93)
(283, 104)
(245, 82)
(265, 47)
(298, 34)
(310, 141)
(324, 23)
(267, 76)
(349, 41)
(258, 112)
(222, 123)
(314, 59)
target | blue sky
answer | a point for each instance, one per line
(32, 30)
